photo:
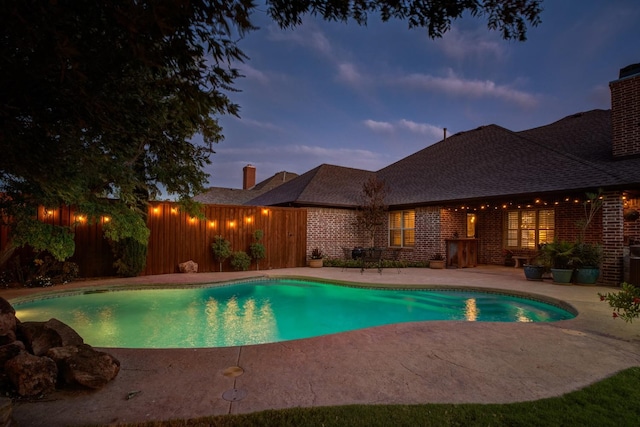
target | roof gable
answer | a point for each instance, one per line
(326, 185)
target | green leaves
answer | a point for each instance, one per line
(626, 302)
(44, 237)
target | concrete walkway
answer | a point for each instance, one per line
(439, 362)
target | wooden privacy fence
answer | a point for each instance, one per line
(175, 237)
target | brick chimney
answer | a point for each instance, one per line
(625, 112)
(248, 177)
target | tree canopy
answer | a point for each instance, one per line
(99, 102)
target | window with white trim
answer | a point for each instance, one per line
(402, 228)
(527, 228)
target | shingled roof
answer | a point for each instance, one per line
(570, 155)
(326, 185)
(236, 196)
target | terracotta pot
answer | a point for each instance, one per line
(315, 263)
(436, 263)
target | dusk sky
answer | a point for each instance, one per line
(365, 97)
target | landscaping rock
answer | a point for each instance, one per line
(7, 317)
(32, 375)
(81, 364)
(9, 351)
(188, 267)
(6, 412)
(34, 356)
(39, 337)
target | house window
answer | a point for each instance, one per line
(526, 229)
(472, 220)
(402, 228)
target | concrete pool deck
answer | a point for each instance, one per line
(411, 363)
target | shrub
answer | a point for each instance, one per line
(240, 261)
(257, 249)
(130, 255)
(625, 303)
(221, 249)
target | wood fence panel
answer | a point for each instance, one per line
(175, 237)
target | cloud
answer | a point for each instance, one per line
(305, 35)
(379, 126)
(455, 85)
(422, 128)
(460, 45)
(259, 124)
(348, 73)
(253, 74)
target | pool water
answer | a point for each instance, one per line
(266, 311)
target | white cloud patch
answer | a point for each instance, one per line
(348, 73)
(379, 126)
(460, 45)
(259, 124)
(253, 74)
(308, 36)
(422, 128)
(455, 85)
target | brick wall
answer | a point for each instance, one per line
(490, 240)
(331, 229)
(428, 234)
(612, 238)
(625, 115)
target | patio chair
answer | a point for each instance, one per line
(394, 256)
(372, 256)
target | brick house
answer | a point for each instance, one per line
(500, 189)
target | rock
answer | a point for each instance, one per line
(7, 317)
(188, 267)
(9, 351)
(81, 364)
(39, 337)
(6, 412)
(32, 375)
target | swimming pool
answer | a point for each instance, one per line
(263, 311)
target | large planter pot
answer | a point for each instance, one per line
(561, 275)
(315, 263)
(587, 275)
(436, 263)
(533, 272)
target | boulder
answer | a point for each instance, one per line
(39, 337)
(6, 412)
(7, 318)
(188, 267)
(81, 364)
(32, 375)
(9, 351)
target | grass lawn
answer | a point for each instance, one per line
(614, 401)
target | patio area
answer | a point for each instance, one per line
(410, 363)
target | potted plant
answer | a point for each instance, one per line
(587, 259)
(559, 254)
(436, 261)
(538, 266)
(315, 260)
(508, 258)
